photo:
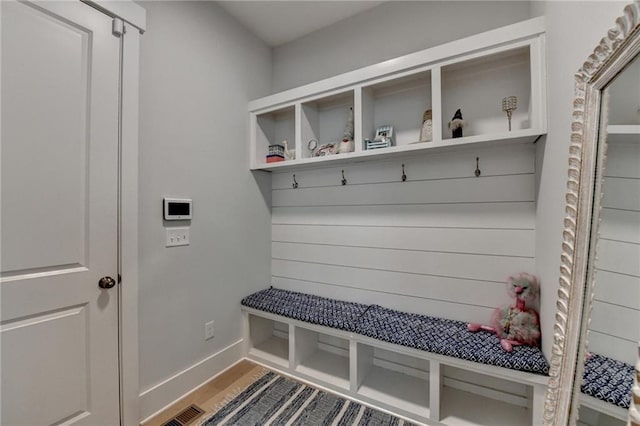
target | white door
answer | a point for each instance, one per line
(59, 177)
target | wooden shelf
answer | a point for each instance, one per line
(472, 74)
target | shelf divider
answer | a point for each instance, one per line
(435, 387)
(298, 131)
(436, 103)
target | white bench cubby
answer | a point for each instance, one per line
(321, 356)
(421, 386)
(268, 340)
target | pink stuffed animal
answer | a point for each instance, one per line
(517, 324)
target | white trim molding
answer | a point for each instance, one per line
(128, 251)
(162, 395)
(130, 12)
(620, 46)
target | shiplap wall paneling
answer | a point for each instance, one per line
(442, 243)
(615, 316)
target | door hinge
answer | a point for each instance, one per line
(117, 27)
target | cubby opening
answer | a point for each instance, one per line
(324, 121)
(269, 340)
(490, 400)
(272, 128)
(398, 380)
(477, 87)
(400, 103)
(322, 356)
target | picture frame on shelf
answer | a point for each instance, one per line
(383, 133)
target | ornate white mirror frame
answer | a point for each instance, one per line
(614, 52)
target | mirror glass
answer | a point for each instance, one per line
(614, 313)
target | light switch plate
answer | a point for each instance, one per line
(177, 237)
(208, 330)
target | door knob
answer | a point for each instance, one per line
(106, 282)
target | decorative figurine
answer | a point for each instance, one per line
(288, 154)
(347, 144)
(348, 131)
(275, 153)
(456, 124)
(325, 149)
(516, 324)
(426, 133)
(509, 104)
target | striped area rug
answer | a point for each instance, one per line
(276, 400)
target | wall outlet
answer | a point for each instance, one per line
(177, 237)
(208, 330)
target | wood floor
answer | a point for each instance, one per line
(213, 392)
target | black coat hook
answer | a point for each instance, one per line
(295, 183)
(478, 172)
(404, 176)
(344, 181)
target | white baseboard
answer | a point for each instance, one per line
(160, 396)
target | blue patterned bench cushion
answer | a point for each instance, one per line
(307, 307)
(447, 337)
(608, 380)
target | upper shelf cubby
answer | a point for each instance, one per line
(272, 128)
(478, 86)
(324, 120)
(401, 103)
(395, 97)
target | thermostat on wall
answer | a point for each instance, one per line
(177, 209)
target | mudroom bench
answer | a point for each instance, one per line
(427, 369)
(606, 386)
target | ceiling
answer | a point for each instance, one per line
(278, 22)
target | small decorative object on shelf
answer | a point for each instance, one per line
(325, 149)
(456, 124)
(426, 133)
(276, 150)
(288, 154)
(347, 144)
(274, 158)
(276, 153)
(312, 145)
(509, 104)
(383, 138)
(369, 144)
(348, 131)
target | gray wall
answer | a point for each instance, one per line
(573, 30)
(384, 32)
(199, 69)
